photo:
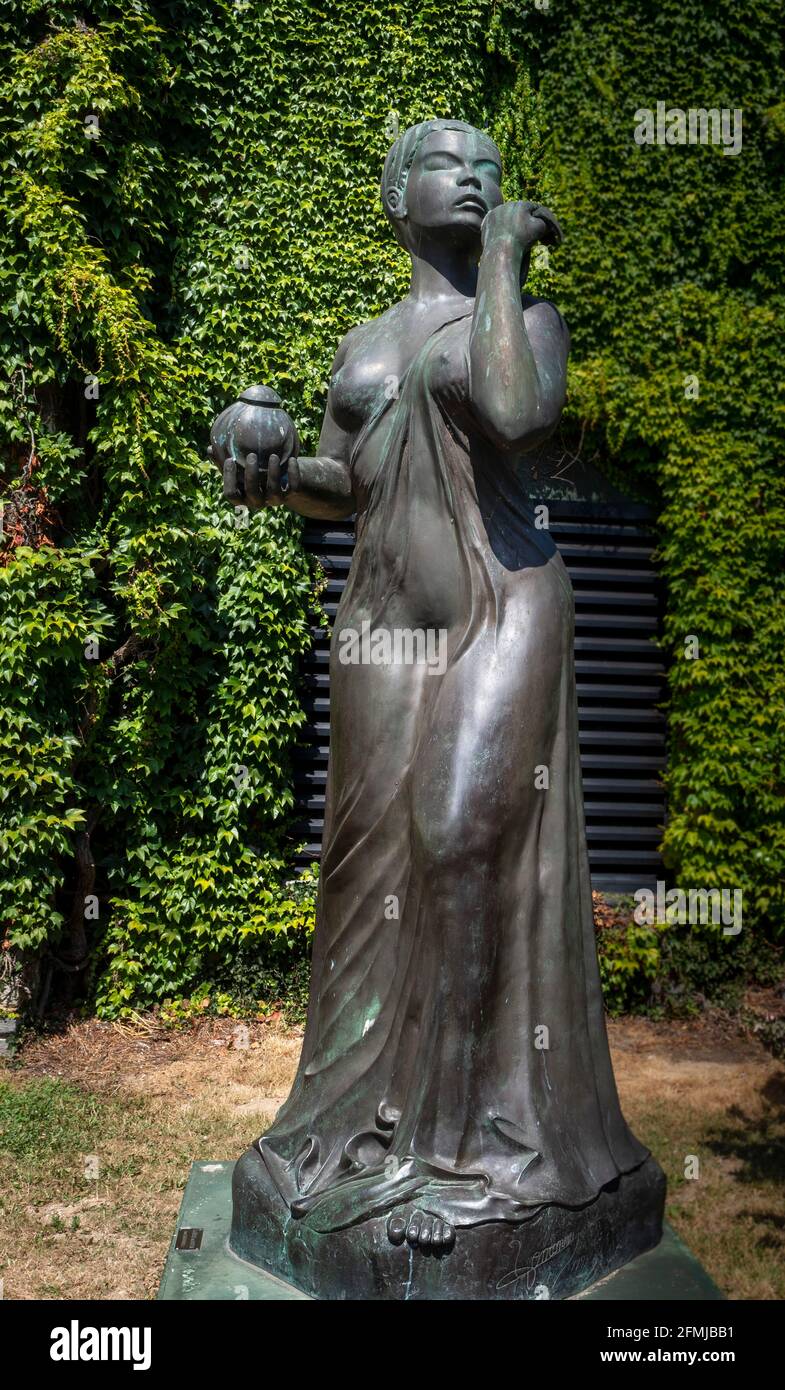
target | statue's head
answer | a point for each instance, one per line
(440, 179)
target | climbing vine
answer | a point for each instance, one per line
(671, 279)
(190, 204)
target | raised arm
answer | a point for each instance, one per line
(517, 354)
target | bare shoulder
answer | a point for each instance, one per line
(348, 343)
(364, 333)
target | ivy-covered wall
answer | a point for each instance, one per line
(190, 205)
(672, 281)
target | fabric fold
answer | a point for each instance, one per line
(455, 1049)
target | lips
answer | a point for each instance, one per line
(471, 200)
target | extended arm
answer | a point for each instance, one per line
(321, 487)
(518, 357)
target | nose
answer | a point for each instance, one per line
(469, 178)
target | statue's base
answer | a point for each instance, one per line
(555, 1253)
(666, 1273)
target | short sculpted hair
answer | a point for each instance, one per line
(400, 159)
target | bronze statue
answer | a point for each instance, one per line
(454, 1129)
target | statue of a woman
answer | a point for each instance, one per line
(454, 1129)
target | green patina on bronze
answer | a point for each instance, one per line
(455, 1090)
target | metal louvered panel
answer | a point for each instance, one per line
(619, 672)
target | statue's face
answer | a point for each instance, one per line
(453, 182)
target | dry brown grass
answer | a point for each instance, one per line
(699, 1089)
(163, 1099)
(166, 1099)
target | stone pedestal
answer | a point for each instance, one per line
(527, 1264)
(558, 1252)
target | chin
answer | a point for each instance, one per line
(461, 228)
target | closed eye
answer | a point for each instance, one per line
(441, 161)
(444, 160)
(490, 167)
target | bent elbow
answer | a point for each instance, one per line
(516, 434)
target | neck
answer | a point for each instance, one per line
(441, 272)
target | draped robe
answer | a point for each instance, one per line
(455, 1053)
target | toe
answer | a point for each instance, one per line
(413, 1228)
(426, 1232)
(396, 1229)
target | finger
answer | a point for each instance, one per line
(252, 480)
(554, 232)
(290, 476)
(274, 478)
(232, 490)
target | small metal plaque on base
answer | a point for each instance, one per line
(189, 1238)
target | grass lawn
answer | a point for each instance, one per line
(99, 1125)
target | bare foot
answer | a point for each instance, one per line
(421, 1230)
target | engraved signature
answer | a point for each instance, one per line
(528, 1272)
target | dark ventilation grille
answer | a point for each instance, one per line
(607, 550)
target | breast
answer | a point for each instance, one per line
(372, 373)
(415, 468)
(363, 383)
(448, 365)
